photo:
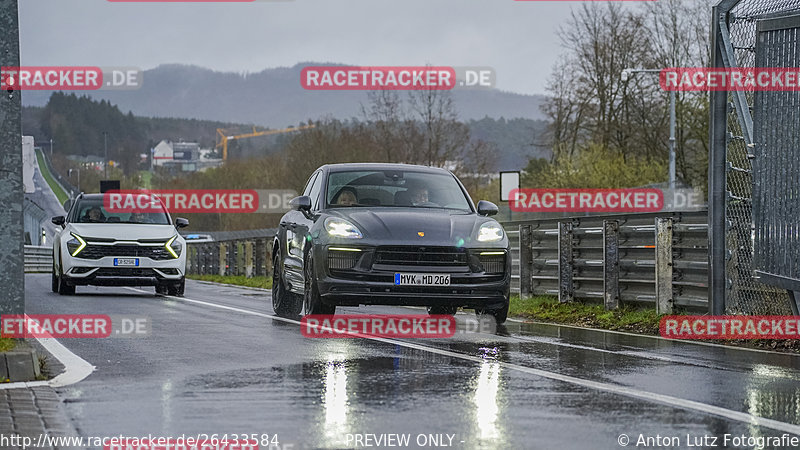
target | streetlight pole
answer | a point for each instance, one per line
(51, 148)
(625, 75)
(105, 148)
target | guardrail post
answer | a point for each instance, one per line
(223, 259)
(611, 264)
(249, 259)
(664, 299)
(566, 289)
(525, 261)
(260, 248)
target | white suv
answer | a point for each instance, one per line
(110, 248)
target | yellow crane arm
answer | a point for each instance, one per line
(224, 138)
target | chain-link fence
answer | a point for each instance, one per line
(734, 286)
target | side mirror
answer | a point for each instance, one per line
(301, 203)
(180, 222)
(487, 208)
(59, 220)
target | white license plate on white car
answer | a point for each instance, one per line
(126, 261)
(421, 279)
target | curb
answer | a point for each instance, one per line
(20, 364)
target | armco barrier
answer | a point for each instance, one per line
(654, 258)
(249, 255)
(38, 258)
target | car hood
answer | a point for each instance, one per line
(123, 231)
(423, 226)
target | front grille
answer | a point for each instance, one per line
(421, 256)
(493, 263)
(92, 251)
(124, 272)
(342, 260)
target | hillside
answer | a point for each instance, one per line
(272, 98)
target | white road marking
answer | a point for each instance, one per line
(75, 367)
(607, 387)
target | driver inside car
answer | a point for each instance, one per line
(94, 215)
(418, 195)
(346, 197)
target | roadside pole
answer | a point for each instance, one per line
(12, 256)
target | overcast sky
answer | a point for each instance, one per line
(517, 39)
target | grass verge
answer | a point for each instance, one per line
(60, 194)
(548, 309)
(239, 280)
(7, 344)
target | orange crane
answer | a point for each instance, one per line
(224, 138)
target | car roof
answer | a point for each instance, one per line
(382, 166)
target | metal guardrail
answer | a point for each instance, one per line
(38, 259)
(653, 258)
(66, 186)
(246, 257)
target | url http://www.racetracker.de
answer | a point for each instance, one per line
(184, 442)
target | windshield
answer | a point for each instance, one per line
(394, 188)
(93, 211)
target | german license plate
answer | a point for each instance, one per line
(421, 279)
(126, 261)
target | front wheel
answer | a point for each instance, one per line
(500, 315)
(282, 300)
(177, 289)
(312, 301)
(54, 279)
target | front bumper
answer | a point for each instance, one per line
(102, 272)
(371, 283)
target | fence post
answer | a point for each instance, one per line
(525, 261)
(249, 259)
(258, 257)
(611, 264)
(566, 290)
(664, 300)
(223, 258)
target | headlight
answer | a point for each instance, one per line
(490, 232)
(342, 228)
(174, 247)
(75, 245)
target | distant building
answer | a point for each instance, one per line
(183, 157)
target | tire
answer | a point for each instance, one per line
(283, 301)
(63, 287)
(162, 289)
(54, 279)
(177, 289)
(442, 310)
(312, 301)
(500, 315)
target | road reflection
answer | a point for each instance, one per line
(334, 399)
(485, 400)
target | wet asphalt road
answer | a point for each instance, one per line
(219, 362)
